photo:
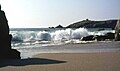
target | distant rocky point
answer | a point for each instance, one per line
(91, 24)
(94, 24)
(59, 26)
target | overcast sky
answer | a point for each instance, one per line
(48, 13)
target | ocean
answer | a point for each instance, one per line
(23, 37)
(30, 41)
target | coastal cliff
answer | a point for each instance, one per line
(94, 24)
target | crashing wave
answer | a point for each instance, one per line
(56, 36)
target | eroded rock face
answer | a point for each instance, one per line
(117, 31)
(5, 40)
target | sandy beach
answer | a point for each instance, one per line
(109, 61)
(89, 61)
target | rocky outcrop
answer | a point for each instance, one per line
(59, 26)
(107, 36)
(9, 54)
(117, 31)
(110, 36)
(5, 40)
(93, 24)
(88, 38)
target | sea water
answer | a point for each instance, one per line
(30, 41)
(23, 37)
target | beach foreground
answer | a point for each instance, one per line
(105, 61)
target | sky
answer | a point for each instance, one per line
(50, 13)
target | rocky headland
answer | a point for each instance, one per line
(92, 24)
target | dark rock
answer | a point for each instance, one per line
(93, 24)
(14, 54)
(110, 36)
(100, 37)
(10, 54)
(88, 38)
(107, 36)
(117, 36)
(59, 26)
(5, 40)
(51, 27)
(117, 31)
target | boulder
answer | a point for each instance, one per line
(110, 36)
(107, 36)
(100, 37)
(88, 38)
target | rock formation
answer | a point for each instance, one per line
(59, 26)
(107, 36)
(117, 31)
(94, 24)
(88, 38)
(5, 40)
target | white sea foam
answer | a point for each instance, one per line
(43, 36)
(56, 36)
(78, 33)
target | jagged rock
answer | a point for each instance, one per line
(117, 31)
(59, 26)
(5, 40)
(107, 36)
(88, 38)
(110, 36)
(100, 37)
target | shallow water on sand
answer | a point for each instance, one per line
(92, 47)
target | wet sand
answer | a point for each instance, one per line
(109, 61)
(107, 46)
(95, 61)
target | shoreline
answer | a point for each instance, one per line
(95, 61)
(96, 47)
(107, 61)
